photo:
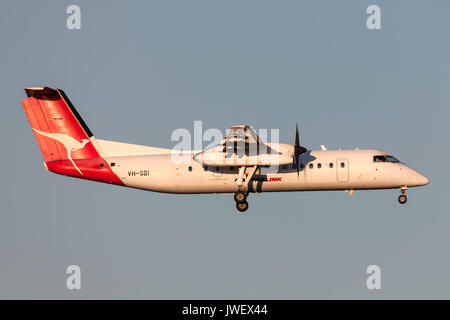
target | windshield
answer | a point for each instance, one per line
(385, 159)
(392, 159)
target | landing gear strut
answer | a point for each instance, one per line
(402, 198)
(242, 181)
(241, 201)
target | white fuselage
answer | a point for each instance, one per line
(331, 170)
(241, 163)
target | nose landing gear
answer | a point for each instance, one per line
(242, 206)
(241, 201)
(402, 198)
(240, 196)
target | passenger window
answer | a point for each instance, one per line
(331, 165)
(217, 169)
(205, 168)
(342, 164)
(190, 168)
(231, 168)
(311, 165)
(319, 165)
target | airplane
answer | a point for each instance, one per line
(241, 164)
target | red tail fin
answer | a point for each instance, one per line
(63, 137)
(57, 126)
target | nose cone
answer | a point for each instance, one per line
(422, 180)
(409, 177)
(418, 179)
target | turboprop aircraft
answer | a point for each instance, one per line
(241, 164)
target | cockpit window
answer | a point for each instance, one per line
(392, 159)
(379, 159)
(384, 159)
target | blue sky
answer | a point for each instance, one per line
(137, 70)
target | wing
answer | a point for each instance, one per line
(242, 147)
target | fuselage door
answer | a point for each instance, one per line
(342, 170)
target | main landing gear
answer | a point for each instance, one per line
(242, 181)
(241, 201)
(402, 198)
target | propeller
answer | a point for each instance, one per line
(298, 149)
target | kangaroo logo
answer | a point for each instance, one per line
(69, 143)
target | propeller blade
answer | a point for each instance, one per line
(297, 145)
(298, 149)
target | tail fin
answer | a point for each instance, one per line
(65, 140)
(54, 119)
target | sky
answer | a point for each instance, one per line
(137, 70)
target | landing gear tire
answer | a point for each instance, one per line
(242, 206)
(240, 196)
(402, 199)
